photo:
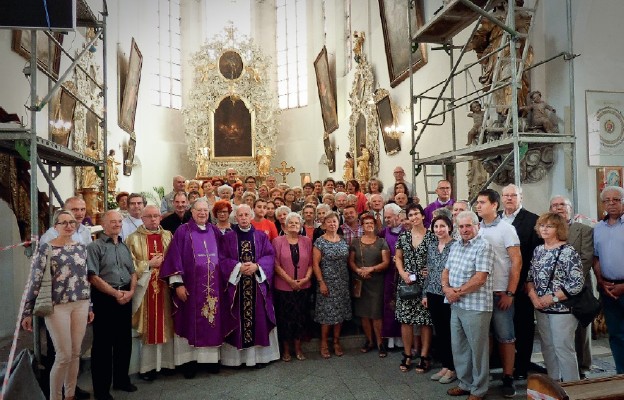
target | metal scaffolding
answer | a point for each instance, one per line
(24, 142)
(451, 19)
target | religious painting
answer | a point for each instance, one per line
(129, 156)
(129, 92)
(607, 176)
(92, 127)
(21, 45)
(387, 121)
(231, 65)
(605, 127)
(360, 135)
(330, 154)
(396, 38)
(62, 120)
(232, 130)
(326, 92)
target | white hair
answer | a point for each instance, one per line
(244, 206)
(468, 214)
(282, 209)
(612, 189)
(394, 207)
(323, 206)
(292, 215)
(225, 188)
(517, 189)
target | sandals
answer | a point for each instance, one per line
(383, 351)
(301, 357)
(338, 349)
(368, 346)
(286, 358)
(405, 365)
(424, 365)
(325, 352)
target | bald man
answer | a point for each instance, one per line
(113, 281)
(166, 206)
(78, 208)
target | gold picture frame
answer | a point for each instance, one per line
(129, 89)
(326, 91)
(20, 43)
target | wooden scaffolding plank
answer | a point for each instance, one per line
(452, 19)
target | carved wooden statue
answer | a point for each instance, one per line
(476, 113)
(539, 116)
(363, 172)
(89, 177)
(113, 171)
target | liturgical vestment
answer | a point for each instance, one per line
(151, 304)
(250, 317)
(193, 260)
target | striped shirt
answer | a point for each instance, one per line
(464, 261)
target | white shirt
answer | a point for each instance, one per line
(82, 235)
(501, 235)
(129, 225)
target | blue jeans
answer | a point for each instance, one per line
(613, 312)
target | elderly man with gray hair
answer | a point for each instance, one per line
(609, 269)
(467, 286)
(581, 237)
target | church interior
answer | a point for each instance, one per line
(144, 90)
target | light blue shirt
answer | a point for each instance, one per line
(609, 248)
(82, 235)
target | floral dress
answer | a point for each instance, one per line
(336, 307)
(412, 312)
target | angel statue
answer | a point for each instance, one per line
(112, 171)
(359, 38)
(89, 177)
(363, 172)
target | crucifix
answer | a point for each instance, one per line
(283, 171)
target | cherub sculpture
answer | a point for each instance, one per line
(358, 39)
(476, 113)
(538, 113)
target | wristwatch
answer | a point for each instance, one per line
(555, 298)
(510, 293)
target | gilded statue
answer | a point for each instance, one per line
(263, 158)
(89, 177)
(363, 172)
(113, 171)
(348, 168)
(358, 39)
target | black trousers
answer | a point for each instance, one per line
(112, 342)
(524, 327)
(441, 315)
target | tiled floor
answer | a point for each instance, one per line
(353, 376)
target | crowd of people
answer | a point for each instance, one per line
(226, 272)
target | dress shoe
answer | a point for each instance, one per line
(104, 396)
(189, 370)
(128, 387)
(457, 391)
(81, 394)
(148, 376)
(537, 368)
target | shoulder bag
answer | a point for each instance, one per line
(583, 305)
(43, 303)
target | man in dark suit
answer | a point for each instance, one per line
(581, 237)
(524, 319)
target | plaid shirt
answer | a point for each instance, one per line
(350, 234)
(466, 259)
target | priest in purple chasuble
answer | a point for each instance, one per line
(246, 259)
(191, 268)
(151, 303)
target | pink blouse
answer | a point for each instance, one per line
(283, 258)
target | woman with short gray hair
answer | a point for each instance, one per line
(280, 219)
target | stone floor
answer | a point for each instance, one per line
(353, 376)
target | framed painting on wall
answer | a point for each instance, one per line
(326, 92)
(330, 154)
(232, 131)
(396, 38)
(129, 92)
(605, 127)
(387, 121)
(607, 176)
(92, 127)
(21, 45)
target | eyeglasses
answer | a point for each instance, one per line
(152, 216)
(607, 201)
(65, 224)
(547, 226)
(511, 195)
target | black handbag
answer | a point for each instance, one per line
(409, 292)
(583, 305)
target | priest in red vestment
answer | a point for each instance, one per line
(191, 268)
(246, 259)
(151, 303)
